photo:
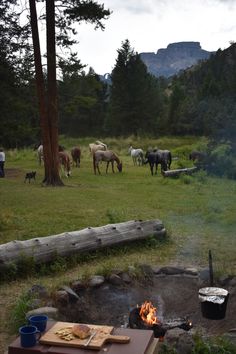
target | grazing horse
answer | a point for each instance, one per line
(165, 159)
(65, 163)
(156, 156)
(137, 156)
(109, 157)
(98, 145)
(76, 154)
(197, 155)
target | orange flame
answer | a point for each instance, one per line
(148, 313)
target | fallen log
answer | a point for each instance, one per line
(46, 249)
(176, 173)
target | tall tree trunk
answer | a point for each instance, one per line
(52, 177)
(49, 131)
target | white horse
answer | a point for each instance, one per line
(137, 156)
(97, 146)
(40, 154)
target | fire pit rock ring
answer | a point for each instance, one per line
(213, 302)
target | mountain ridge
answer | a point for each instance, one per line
(174, 58)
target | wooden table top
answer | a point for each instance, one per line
(140, 342)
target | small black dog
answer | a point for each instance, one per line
(30, 175)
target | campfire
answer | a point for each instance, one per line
(145, 317)
(148, 313)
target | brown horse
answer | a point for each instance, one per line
(65, 163)
(76, 154)
(109, 157)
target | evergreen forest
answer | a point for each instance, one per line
(199, 101)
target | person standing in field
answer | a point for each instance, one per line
(2, 162)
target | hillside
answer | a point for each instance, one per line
(203, 97)
(177, 56)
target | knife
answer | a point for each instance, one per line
(90, 338)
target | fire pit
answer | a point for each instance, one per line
(145, 317)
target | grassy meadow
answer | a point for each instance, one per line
(198, 212)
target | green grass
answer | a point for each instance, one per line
(197, 211)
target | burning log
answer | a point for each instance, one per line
(145, 317)
(176, 173)
(46, 249)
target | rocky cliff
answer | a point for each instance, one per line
(177, 56)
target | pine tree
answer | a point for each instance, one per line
(133, 105)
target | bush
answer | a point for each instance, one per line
(222, 161)
(19, 311)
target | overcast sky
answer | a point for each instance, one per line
(152, 24)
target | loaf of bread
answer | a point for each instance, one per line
(82, 331)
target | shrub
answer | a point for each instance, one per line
(222, 161)
(18, 314)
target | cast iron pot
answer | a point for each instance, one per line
(213, 302)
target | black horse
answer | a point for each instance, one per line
(155, 157)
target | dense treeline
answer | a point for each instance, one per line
(200, 101)
(82, 104)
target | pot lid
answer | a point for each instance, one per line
(213, 291)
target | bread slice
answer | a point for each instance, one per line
(82, 331)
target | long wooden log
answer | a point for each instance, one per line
(45, 249)
(175, 173)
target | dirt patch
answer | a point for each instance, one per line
(174, 296)
(13, 172)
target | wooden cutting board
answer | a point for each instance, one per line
(103, 335)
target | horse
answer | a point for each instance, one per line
(157, 156)
(165, 159)
(40, 154)
(197, 155)
(98, 142)
(137, 156)
(153, 158)
(76, 154)
(39, 148)
(65, 162)
(98, 145)
(109, 157)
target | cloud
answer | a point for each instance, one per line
(130, 6)
(153, 24)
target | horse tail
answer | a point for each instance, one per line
(94, 162)
(170, 158)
